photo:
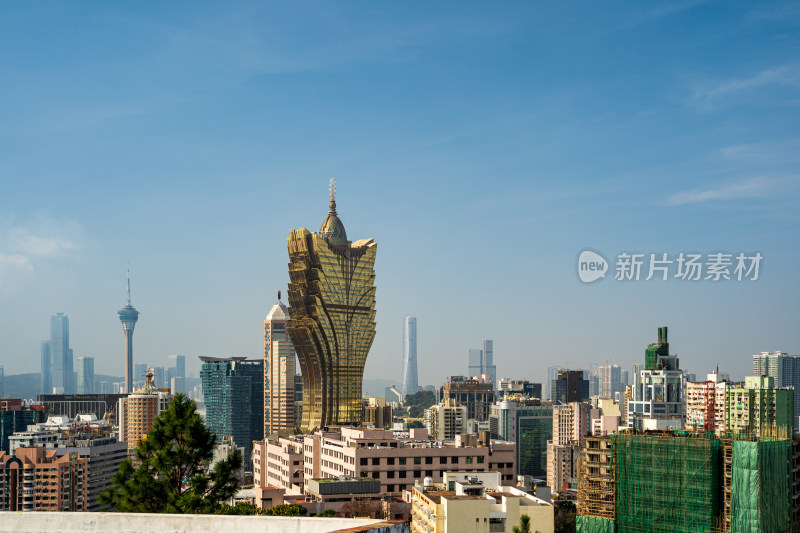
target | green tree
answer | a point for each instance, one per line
(287, 509)
(418, 402)
(524, 525)
(327, 513)
(242, 508)
(170, 470)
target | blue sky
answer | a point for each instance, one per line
(483, 146)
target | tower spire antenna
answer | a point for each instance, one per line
(128, 292)
(332, 189)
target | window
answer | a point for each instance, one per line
(468, 459)
(429, 460)
(417, 473)
(480, 459)
(429, 473)
(376, 461)
(389, 488)
(454, 460)
(390, 474)
(401, 460)
(401, 474)
(442, 460)
(390, 460)
(364, 461)
(417, 460)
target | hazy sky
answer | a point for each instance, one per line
(482, 145)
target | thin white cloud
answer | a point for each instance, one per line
(785, 75)
(13, 269)
(22, 240)
(758, 187)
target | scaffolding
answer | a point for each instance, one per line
(667, 482)
(596, 480)
(761, 495)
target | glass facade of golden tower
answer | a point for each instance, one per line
(332, 319)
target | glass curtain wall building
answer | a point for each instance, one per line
(332, 318)
(410, 376)
(233, 390)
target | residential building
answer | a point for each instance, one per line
(477, 393)
(279, 463)
(233, 389)
(760, 409)
(86, 375)
(137, 412)
(37, 479)
(446, 419)
(128, 316)
(529, 424)
(279, 372)
(785, 369)
(410, 376)
(570, 386)
(705, 403)
(658, 393)
(332, 324)
(570, 428)
(398, 462)
(377, 413)
(475, 502)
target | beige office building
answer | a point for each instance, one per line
(279, 372)
(475, 502)
(279, 463)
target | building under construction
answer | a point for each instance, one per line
(687, 482)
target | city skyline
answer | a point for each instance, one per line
(546, 130)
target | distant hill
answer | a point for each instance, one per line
(27, 385)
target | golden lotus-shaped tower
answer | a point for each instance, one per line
(332, 318)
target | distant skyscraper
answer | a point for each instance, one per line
(86, 375)
(785, 369)
(233, 389)
(128, 315)
(46, 382)
(279, 372)
(139, 371)
(570, 386)
(475, 362)
(160, 378)
(332, 324)
(489, 367)
(410, 376)
(177, 369)
(61, 367)
(2, 383)
(482, 362)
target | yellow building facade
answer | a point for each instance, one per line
(332, 318)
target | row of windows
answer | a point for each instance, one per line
(390, 461)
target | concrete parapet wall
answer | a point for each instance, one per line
(43, 522)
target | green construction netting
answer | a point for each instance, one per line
(760, 490)
(593, 524)
(667, 483)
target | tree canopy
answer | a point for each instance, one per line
(170, 470)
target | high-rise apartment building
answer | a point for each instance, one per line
(570, 428)
(410, 376)
(128, 316)
(785, 369)
(233, 389)
(137, 412)
(62, 378)
(279, 372)
(37, 479)
(760, 409)
(86, 375)
(446, 419)
(705, 404)
(610, 380)
(332, 324)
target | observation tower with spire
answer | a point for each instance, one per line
(128, 315)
